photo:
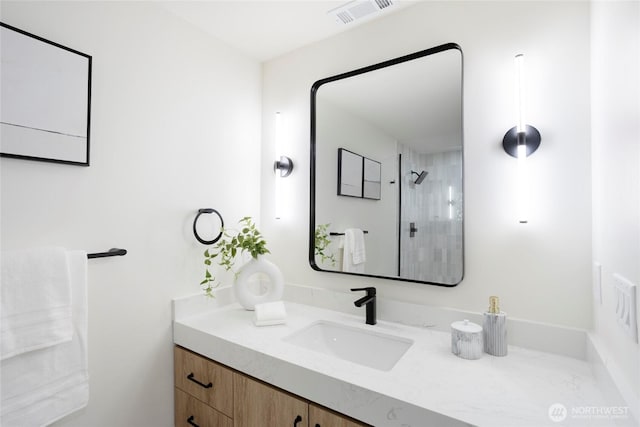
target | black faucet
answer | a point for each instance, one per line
(370, 301)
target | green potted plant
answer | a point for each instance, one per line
(322, 242)
(247, 240)
(233, 243)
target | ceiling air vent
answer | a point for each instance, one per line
(359, 9)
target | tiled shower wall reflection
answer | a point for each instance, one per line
(434, 254)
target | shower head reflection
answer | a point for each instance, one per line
(421, 176)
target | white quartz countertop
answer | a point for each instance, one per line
(428, 385)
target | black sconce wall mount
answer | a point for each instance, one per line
(530, 137)
(284, 165)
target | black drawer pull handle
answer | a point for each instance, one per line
(190, 377)
(190, 421)
(297, 420)
(317, 425)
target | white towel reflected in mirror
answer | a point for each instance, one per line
(354, 256)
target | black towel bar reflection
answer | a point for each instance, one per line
(110, 252)
(333, 233)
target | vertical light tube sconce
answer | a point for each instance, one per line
(521, 140)
(282, 166)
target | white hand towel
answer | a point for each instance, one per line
(42, 386)
(359, 254)
(36, 300)
(270, 313)
(354, 255)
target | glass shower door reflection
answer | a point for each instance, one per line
(430, 229)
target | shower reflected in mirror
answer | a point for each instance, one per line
(421, 176)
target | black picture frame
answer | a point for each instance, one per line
(46, 99)
(358, 176)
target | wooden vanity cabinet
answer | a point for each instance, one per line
(190, 412)
(259, 404)
(203, 390)
(208, 394)
(322, 417)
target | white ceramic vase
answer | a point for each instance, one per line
(248, 293)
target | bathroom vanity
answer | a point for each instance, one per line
(266, 372)
(210, 394)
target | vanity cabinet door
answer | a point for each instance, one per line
(321, 417)
(204, 379)
(260, 405)
(191, 412)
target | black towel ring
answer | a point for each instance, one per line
(195, 231)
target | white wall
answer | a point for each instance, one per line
(615, 130)
(175, 126)
(540, 270)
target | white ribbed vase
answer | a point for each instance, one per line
(495, 333)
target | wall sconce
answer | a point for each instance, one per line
(521, 140)
(282, 166)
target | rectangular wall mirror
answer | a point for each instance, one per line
(406, 113)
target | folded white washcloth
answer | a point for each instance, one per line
(36, 300)
(42, 386)
(270, 313)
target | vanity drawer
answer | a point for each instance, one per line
(323, 417)
(192, 412)
(260, 404)
(205, 380)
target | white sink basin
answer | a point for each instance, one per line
(365, 347)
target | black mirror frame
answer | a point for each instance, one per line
(312, 162)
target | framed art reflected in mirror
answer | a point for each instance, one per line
(358, 176)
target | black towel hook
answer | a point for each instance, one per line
(195, 231)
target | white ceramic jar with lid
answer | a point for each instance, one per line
(466, 340)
